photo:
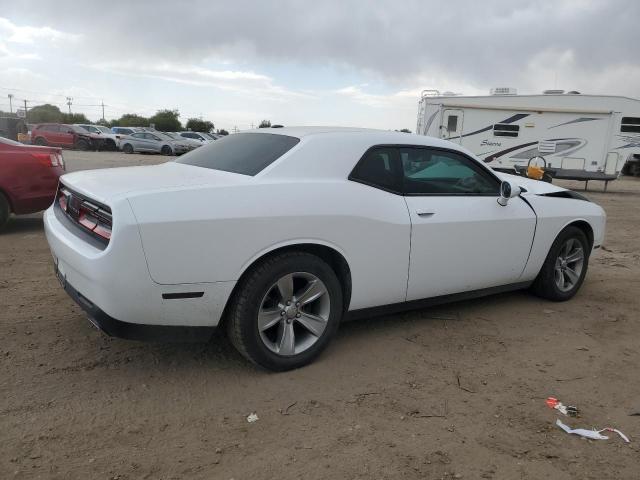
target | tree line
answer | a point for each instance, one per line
(164, 120)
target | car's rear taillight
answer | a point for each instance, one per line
(49, 159)
(92, 217)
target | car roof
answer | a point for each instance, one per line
(333, 151)
(376, 137)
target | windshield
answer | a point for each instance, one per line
(244, 153)
(103, 129)
(172, 135)
(208, 135)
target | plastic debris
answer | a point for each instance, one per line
(253, 417)
(569, 410)
(591, 434)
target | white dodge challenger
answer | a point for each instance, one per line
(279, 234)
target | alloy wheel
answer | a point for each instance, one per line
(294, 313)
(569, 265)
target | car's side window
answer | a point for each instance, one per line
(429, 171)
(138, 135)
(379, 168)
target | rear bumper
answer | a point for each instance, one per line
(136, 331)
(114, 287)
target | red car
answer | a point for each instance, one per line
(66, 136)
(28, 178)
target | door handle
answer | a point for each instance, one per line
(424, 213)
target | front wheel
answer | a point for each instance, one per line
(565, 267)
(127, 148)
(285, 311)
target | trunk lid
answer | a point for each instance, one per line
(105, 185)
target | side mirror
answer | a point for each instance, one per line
(508, 190)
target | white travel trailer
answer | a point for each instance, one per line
(574, 136)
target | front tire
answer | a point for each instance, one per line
(5, 212)
(565, 267)
(285, 311)
(40, 141)
(127, 148)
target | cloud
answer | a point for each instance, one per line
(341, 61)
(482, 43)
(12, 33)
(241, 82)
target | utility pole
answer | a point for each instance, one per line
(252, 125)
(69, 101)
(25, 110)
(102, 104)
(10, 102)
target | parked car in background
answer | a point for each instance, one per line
(66, 136)
(126, 130)
(153, 142)
(189, 141)
(198, 136)
(111, 140)
(284, 231)
(28, 178)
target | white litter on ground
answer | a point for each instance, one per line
(592, 434)
(253, 417)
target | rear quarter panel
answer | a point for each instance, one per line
(214, 234)
(29, 186)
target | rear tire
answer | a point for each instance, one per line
(258, 317)
(82, 145)
(127, 148)
(5, 212)
(166, 150)
(40, 141)
(565, 267)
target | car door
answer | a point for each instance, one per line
(67, 136)
(461, 238)
(139, 142)
(155, 143)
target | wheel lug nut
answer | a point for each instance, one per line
(297, 304)
(297, 315)
(282, 313)
(288, 303)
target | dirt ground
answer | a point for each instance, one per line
(449, 392)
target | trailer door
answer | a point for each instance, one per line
(451, 126)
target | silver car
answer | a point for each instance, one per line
(201, 137)
(154, 142)
(188, 141)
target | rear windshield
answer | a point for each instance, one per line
(244, 153)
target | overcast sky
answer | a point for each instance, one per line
(342, 62)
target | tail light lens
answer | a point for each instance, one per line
(49, 159)
(90, 216)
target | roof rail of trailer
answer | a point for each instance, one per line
(430, 93)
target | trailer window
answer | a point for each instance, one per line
(630, 124)
(452, 123)
(505, 130)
